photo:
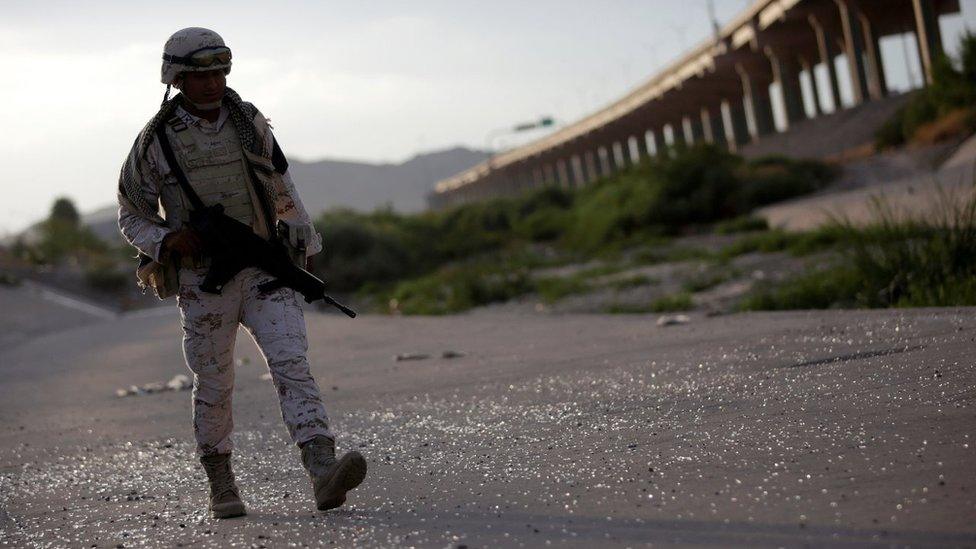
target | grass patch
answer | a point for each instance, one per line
(672, 303)
(708, 279)
(8, 279)
(634, 281)
(893, 263)
(838, 286)
(797, 244)
(458, 288)
(942, 109)
(552, 289)
(639, 206)
(654, 256)
(742, 224)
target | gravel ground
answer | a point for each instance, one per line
(836, 428)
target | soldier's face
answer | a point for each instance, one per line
(203, 87)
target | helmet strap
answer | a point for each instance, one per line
(165, 96)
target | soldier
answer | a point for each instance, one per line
(226, 150)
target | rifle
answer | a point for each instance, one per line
(233, 246)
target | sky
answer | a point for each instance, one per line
(377, 81)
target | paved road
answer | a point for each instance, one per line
(836, 428)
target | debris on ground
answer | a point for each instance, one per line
(453, 354)
(411, 356)
(266, 376)
(179, 382)
(673, 320)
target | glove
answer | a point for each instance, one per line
(185, 242)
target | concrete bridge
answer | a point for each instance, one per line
(719, 92)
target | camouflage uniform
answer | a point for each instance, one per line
(210, 321)
(276, 324)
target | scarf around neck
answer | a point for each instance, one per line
(241, 114)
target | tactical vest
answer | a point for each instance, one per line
(215, 166)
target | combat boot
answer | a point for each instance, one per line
(225, 500)
(331, 477)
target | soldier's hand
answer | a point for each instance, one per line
(185, 242)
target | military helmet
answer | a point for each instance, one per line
(194, 49)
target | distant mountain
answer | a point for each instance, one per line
(331, 183)
(360, 186)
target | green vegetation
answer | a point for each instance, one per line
(403, 257)
(7, 279)
(797, 244)
(672, 303)
(633, 281)
(61, 238)
(552, 289)
(707, 279)
(952, 94)
(741, 224)
(458, 288)
(894, 263)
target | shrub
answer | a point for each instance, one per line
(696, 185)
(458, 288)
(358, 250)
(894, 263)
(672, 303)
(741, 224)
(552, 289)
(952, 88)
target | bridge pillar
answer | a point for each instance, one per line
(677, 134)
(649, 145)
(854, 50)
(825, 47)
(618, 162)
(706, 122)
(928, 34)
(714, 123)
(627, 151)
(643, 152)
(877, 83)
(592, 168)
(786, 73)
(549, 174)
(818, 107)
(538, 177)
(603, 156)
(631, 154)
(660, 145)
(576, 171)
(562, 174)
(737, 129)
(696, 128)
(758, 106)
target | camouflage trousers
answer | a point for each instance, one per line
(276, 323)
